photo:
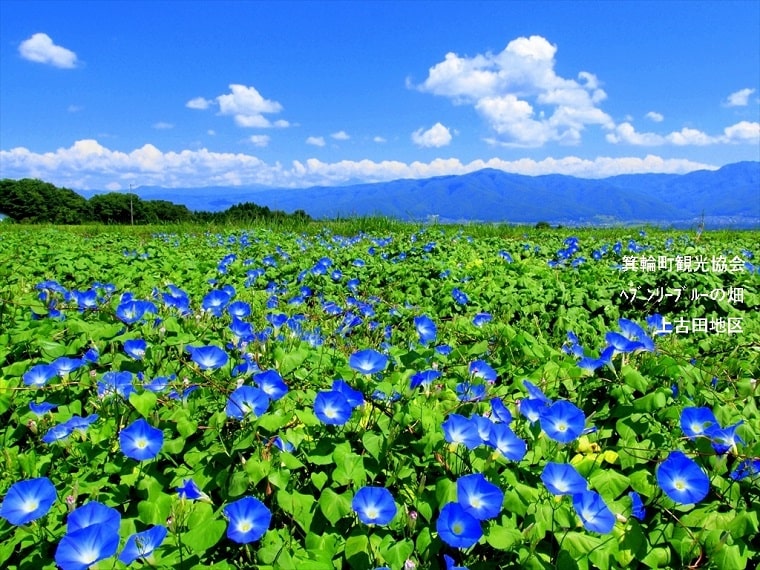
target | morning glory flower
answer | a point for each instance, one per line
(368, 361)
(281, 444)
(479, 497)
(468, 392)
(458, 528)
(247, 400)
(65, 365)
(637, 506)
(723, 439)
(459, 296)
(116, 383)
(39, 375)
(563, 421)
(272, 384)
(28, 500)
(215, 301)
(142, 544)
(190, 490)
(135, 348)
(459, 429)
(354, 397)
(499, 412)
(426, 329)
(506, 442)
(42, 408)
(374, 505)
(239, 309)
(81, 549)
(93, 514)
(450, 564)
(532, 409)
(424, 378)
(332, 407)
(140, 440)
(563, 479)
(131, 310)
(208, 357)
(594, 513)
(696, 421)
(535, 393)
(747, 468)
(248, 519)
(682, 479)
(481, 369)
(481, 318)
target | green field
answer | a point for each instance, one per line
(366, 393)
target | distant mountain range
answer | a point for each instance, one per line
(728, 197)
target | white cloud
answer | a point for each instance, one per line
(245, 105)
(259, 140)
(379, 139)
(743, 132)
(211, 132)
(654, 116)
(89, 165)
(436, 136)
(739, 98)
(41, 49)
(519, 94)
(74, 108)
(163, 126)
(315, 141)
(340, 136)
(199, 103)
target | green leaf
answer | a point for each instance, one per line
(319, 478)
(502, 538)
(144, 403)
(634, 379)
(335, 506)
(204, 536)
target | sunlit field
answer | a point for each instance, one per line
(368, 394)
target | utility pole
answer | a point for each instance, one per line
(131, 209)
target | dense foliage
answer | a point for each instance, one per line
(35, 201)
(428, 397)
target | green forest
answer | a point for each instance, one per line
(31, 201)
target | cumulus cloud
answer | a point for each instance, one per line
(163, 126)
(655, 117)
(436, 136)
(739, 98)
(744, 132)
(259, 140)
(199, 103)
(379, 139)
(519, 93)
(315, 141)
(245, 105)
(89, 165)
(340, 136)
(41, 49)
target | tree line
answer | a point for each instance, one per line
(33, 201)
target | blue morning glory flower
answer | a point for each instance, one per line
(136, 348)
(239, 309)
(458, 528)
(451, 565)
(374, 505)
(637, 506)
(354, 397)
(459, 296)
(28, 500)
(332, 407)
(506, 442)
(459, 429)
(593, 511)
(42, 408)
(65, 365)
(424, 378)
(93, 514)
(426, 329)
(535, 393)
(281, 444)
(532, 409)
(479, 497)
(140, 440)
(682, 479)
(563, 421)
(114, 382)
(208, 357)
(469, 392)
(142, 544)
(131, 310)
(215, 301)
(746, 468)
(39, 375)
(563, 479)
(248, 519)
(272, 384)
(499, 411)
(481, 318)
(247, 400)
(81, 549)
(368, 361)
(191, 491)
(723, 439)
(481, 369)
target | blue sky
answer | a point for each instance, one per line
(101, 95)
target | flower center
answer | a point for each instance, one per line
(679, 484)
(245, 526)
(372, 513)
(141, 443)
(561, 426)
(30, 505)
(457, 528)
